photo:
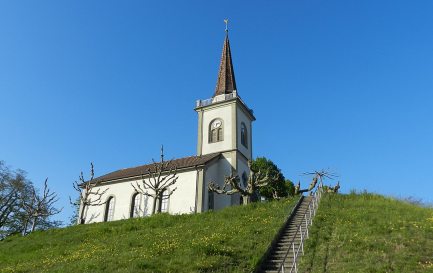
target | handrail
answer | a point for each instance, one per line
(312, 212)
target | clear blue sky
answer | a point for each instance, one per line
(345, 85)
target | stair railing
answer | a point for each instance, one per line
(307, 220)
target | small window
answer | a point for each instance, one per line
(135, 205)
(244, 135)
(164, 201)
(109, 209)
(216, 131)
(210, 200)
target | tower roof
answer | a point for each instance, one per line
(226, 83)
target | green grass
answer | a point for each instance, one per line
(230, 240)
(369, 233)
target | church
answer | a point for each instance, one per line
(224, 145)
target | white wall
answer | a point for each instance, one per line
(215, 172)
(181, 201)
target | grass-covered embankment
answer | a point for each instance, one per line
(230, 240)
(369, 233)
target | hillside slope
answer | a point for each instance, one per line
(369, 233)
(231, 240)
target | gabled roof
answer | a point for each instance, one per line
(226, 83)
(180, 163)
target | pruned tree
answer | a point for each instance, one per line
(334, 189)
(157, 180)
(90, 194)
(255, 181)
(38, 207)
(317, 176)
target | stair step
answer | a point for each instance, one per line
(289, 238)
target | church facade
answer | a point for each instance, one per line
(224, 146)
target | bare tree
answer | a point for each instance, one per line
(7, 204)
(317, 176)
(90, 195)
(13, 186)
(8, 194)
(38, 207)
(20, 206)
(249, 194)
(156, 181)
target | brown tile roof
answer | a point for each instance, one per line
(226, 75)
(181, 163)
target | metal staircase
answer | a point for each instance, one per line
(289, 244)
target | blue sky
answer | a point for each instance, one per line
(344, 85)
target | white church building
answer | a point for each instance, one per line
(224, 145)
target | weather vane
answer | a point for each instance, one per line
(162, 153)
(227, 24)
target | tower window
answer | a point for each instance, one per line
(216, 131)
(244, 135)
(109, 209)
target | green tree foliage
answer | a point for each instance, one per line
(282, 187)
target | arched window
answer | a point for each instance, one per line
(109, 209)
(216, 131)
(135, 205)
(244, 135)
(164, 200)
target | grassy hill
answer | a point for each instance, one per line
(369, 233)
(351, 233)
(230, 240)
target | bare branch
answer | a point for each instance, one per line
(160, 176)
(89, 192)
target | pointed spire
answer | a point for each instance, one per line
(226, 83)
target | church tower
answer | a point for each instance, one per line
(225, 121)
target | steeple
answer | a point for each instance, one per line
(226, 83)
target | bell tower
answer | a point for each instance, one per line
(224, 120)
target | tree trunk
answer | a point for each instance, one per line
(154, 204)
(34, 223)
(245, 200)
(25, 227)
(82, 220)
